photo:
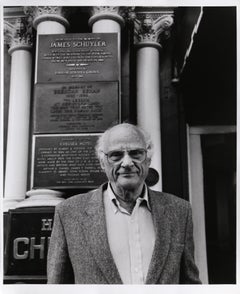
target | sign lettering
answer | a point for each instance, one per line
(46, 224)
(26, 248)
(16, 253)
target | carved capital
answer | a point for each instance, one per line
(115, 13)
(152, 28)
(46, 13)
(18, 33)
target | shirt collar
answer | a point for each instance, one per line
(115, 203)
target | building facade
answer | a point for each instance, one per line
(72, 72)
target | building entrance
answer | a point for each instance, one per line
(212, 179)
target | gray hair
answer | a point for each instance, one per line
(102, 139)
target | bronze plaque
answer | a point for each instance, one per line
(66, 162)
(69, 108)
(78, 57)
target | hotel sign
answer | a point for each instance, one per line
(27, 240)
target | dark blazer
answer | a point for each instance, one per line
(79, 251)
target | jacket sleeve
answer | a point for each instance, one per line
(189, 273)
(59, 268)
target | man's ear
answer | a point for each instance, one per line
(102, 164)
(149, 160)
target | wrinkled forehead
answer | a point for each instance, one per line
(124, 137)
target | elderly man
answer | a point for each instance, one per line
(123, 232)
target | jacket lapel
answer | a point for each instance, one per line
(162, 242)
(96, 235)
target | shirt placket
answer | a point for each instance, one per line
(135, 247)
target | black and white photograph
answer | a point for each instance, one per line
(119, 147)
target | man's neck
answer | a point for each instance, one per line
(127, 198)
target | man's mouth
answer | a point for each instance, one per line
(127, 174)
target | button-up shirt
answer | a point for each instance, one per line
(131, 237)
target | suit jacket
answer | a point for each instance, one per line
(79, 251)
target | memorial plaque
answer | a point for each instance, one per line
(66, 162)
(69, 108)
(27, 240)
(78, 57)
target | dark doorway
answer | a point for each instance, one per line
(219, 168)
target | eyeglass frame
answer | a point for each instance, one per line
(126, 150)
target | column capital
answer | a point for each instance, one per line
(115, 13)
(47, 13)
(18, 34)
(151, 28)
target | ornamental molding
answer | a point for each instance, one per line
(152, 27)
(116, 13)
(18, 32)
(44, 13)
(105, 9)
(36, 11)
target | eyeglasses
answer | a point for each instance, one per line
(137, 155)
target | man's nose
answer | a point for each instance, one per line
(127, 160)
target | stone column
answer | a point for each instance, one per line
(109, 19)
(148, 34)
(18, 37)
(106, 19)
(46, 20)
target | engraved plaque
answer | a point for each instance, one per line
(69, 108)
(78, 57)
(66, 162)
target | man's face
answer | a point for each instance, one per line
(128, 168)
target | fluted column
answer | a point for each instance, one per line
(18, 37)
(149, 32)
